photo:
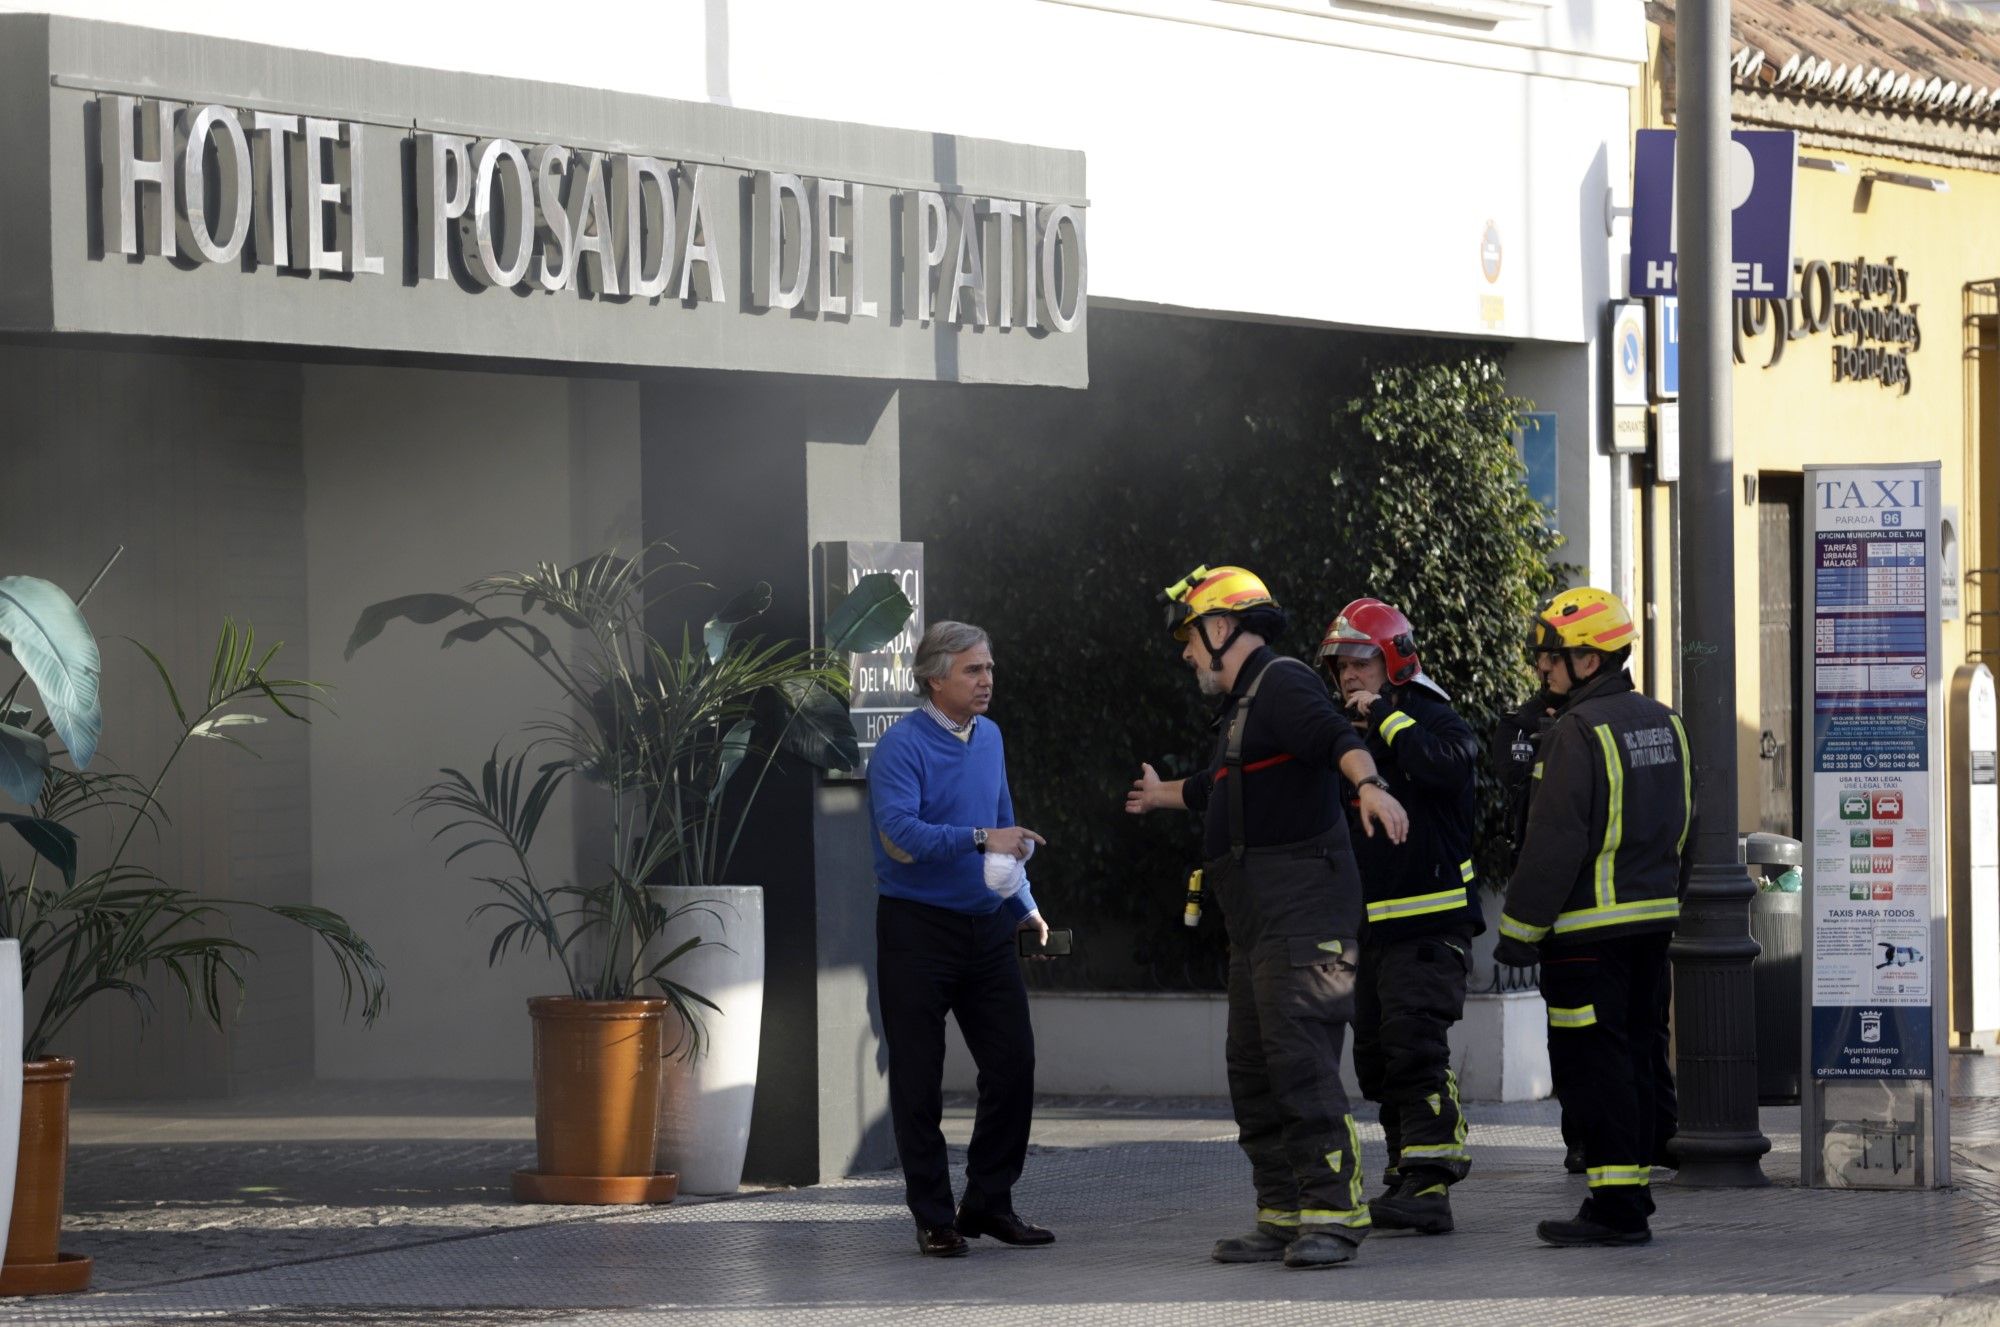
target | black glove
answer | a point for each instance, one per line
(1516, 953)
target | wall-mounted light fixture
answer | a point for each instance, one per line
(1928, 182)
(1825, 163)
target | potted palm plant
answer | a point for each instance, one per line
(673, 736)
(89, 924)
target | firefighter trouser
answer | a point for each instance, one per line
(1289, 1002)
(1604, 1006)
(1666, 1101)
(1408, 995)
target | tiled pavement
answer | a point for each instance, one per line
(350, 1219)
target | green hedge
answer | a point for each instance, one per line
(1333, 465)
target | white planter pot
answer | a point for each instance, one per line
(11, 1033)
(705, 1101)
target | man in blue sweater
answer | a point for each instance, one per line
(945, 942)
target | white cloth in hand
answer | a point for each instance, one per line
(1006, 873)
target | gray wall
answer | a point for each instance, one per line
(194, 464)
(425, 480)
(744, 474)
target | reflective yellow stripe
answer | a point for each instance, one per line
(1354, 1184)
(1272, 1217)
(1601, 1177)
(1538, 769)
(1395, 724)
(1465, 871)
(1581, 1017)
(1354, 1218)
(1584, 919)
(1519, 930)
(1437, 1151)
(1614, 818)
(1416, 905)
(1687, 784)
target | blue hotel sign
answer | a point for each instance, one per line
(1762, 164)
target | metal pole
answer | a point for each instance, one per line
(1719, 1142)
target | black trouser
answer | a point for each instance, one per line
(930, 961)
(1289, 1002)
(1409, 994)
(1666, 1101)
(1604, 1008)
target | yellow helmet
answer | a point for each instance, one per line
(1582, 619)
(1206, 591)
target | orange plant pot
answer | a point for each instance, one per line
(597, 1098)
(34, 1263)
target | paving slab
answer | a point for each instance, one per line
(216, 1216)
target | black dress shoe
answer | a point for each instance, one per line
(941, 1242)
(1003, 1226)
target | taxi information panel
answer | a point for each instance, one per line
(1875, 924)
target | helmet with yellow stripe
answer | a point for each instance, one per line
(1583, 619)
(1210, 592)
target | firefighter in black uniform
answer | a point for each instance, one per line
(1279, 862)
(1594, 898)
(1515, 748)
(1421, 910)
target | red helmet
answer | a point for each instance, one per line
(1368, 628)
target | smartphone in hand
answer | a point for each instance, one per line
(1058, 946)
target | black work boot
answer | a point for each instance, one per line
(1573, 1161)
(1420, 1203)
(1392, 1180)
(1316, 1247)
(1265, 1243)
(1588, 1228)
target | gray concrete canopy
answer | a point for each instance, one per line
(422, 211)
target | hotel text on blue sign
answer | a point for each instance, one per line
(1762, 164)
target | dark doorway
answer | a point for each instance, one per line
(1780, 501)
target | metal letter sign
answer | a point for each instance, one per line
(1762, 164)
(882, 687)
(1873, 1031)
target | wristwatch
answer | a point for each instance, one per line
(1374, 781)
(979, 840)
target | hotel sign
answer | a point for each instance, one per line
(278, 192)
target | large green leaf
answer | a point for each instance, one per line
(52, 840)
(869, 617)
(741, 609)
(735, 746)
(24, 762)
(820, 732)
(486, 626)
(53, 645)
(424, 608)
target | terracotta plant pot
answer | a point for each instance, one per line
(597, 1102)
(34, 1264)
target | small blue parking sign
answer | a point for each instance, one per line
(1666, 347)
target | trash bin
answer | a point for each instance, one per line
(1777, 926)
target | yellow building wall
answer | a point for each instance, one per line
(1794, 413)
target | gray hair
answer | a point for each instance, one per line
(941, 641)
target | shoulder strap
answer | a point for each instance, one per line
(1232, 755)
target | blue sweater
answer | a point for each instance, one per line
(928, 791)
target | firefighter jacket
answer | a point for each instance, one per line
(1515, 748)
(1423, 885)
(1612, 808)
